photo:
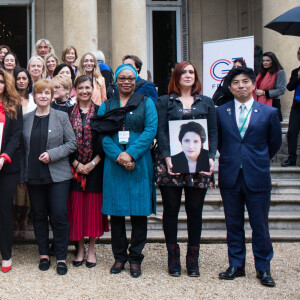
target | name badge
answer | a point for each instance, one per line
(123, 137)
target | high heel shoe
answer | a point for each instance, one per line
(5, 269)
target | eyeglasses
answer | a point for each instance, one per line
(129, 79)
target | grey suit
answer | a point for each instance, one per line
(51, 200)
(60, 144)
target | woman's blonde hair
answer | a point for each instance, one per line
(41, 85)
(65, 81)
(96, 71)
(43, 75)
(11, 98)
(47, 57)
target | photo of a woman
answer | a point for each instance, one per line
(193, 157)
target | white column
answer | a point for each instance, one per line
(80, 25)
(129, 34)
(285, 47)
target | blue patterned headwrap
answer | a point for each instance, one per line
(122, 67)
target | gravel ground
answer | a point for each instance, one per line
(25, 281)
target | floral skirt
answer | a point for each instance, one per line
(196, 180)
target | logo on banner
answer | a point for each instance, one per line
(220, 68)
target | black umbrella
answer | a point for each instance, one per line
(288, 23)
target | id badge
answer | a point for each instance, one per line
(123, 137)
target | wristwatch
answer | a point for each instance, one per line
(93, 163)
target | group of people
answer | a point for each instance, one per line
(84, 158)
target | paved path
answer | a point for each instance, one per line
(25, 281)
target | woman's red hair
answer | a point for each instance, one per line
(174, 86)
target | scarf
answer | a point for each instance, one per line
(84, 139)
(111, 122)
(265, 83)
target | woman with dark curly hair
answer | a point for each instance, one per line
(184, 102)
(10, 133)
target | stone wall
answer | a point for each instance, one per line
(222, 19)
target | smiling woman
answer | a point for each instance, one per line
(10, 62)
(10, 133)
(69, 56)
(37, 68)
(51, 61)
(48, 137)
(85, 201)
(88, 66)
(128, 179)
(184, 102)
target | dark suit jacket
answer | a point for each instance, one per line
(260, 143)
(11, 138)
(180, 162)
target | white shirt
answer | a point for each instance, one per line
(248, 105)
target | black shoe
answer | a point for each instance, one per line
(90, 264)
(44, 264)
(51, 250)
(77, 263)
(135, 270)
(61, 268)
(289, 163)
(232, 272)
(265, 279)
(117, 267)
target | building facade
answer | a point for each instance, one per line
(159, 32)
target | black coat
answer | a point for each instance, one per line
(292, 85)
(180, 163)
(169, 107)
(11, 142)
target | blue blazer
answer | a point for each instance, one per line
(260, 143)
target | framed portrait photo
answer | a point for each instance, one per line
(189, 146)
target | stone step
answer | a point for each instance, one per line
(277, 172)
(208, 236)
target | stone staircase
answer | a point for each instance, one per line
(284, 217)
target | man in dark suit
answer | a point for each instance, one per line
(249, 136)
(142, 86)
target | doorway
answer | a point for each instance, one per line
(15, 30)
(164, 43)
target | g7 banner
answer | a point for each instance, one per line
(218, 58)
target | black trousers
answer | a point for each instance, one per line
(194, 199)
(8, 185)
(293, 132)
(51, 200)
(119, 240)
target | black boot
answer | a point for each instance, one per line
(174, 260)
(192, 257)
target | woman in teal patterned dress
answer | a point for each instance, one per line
(128, 184)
